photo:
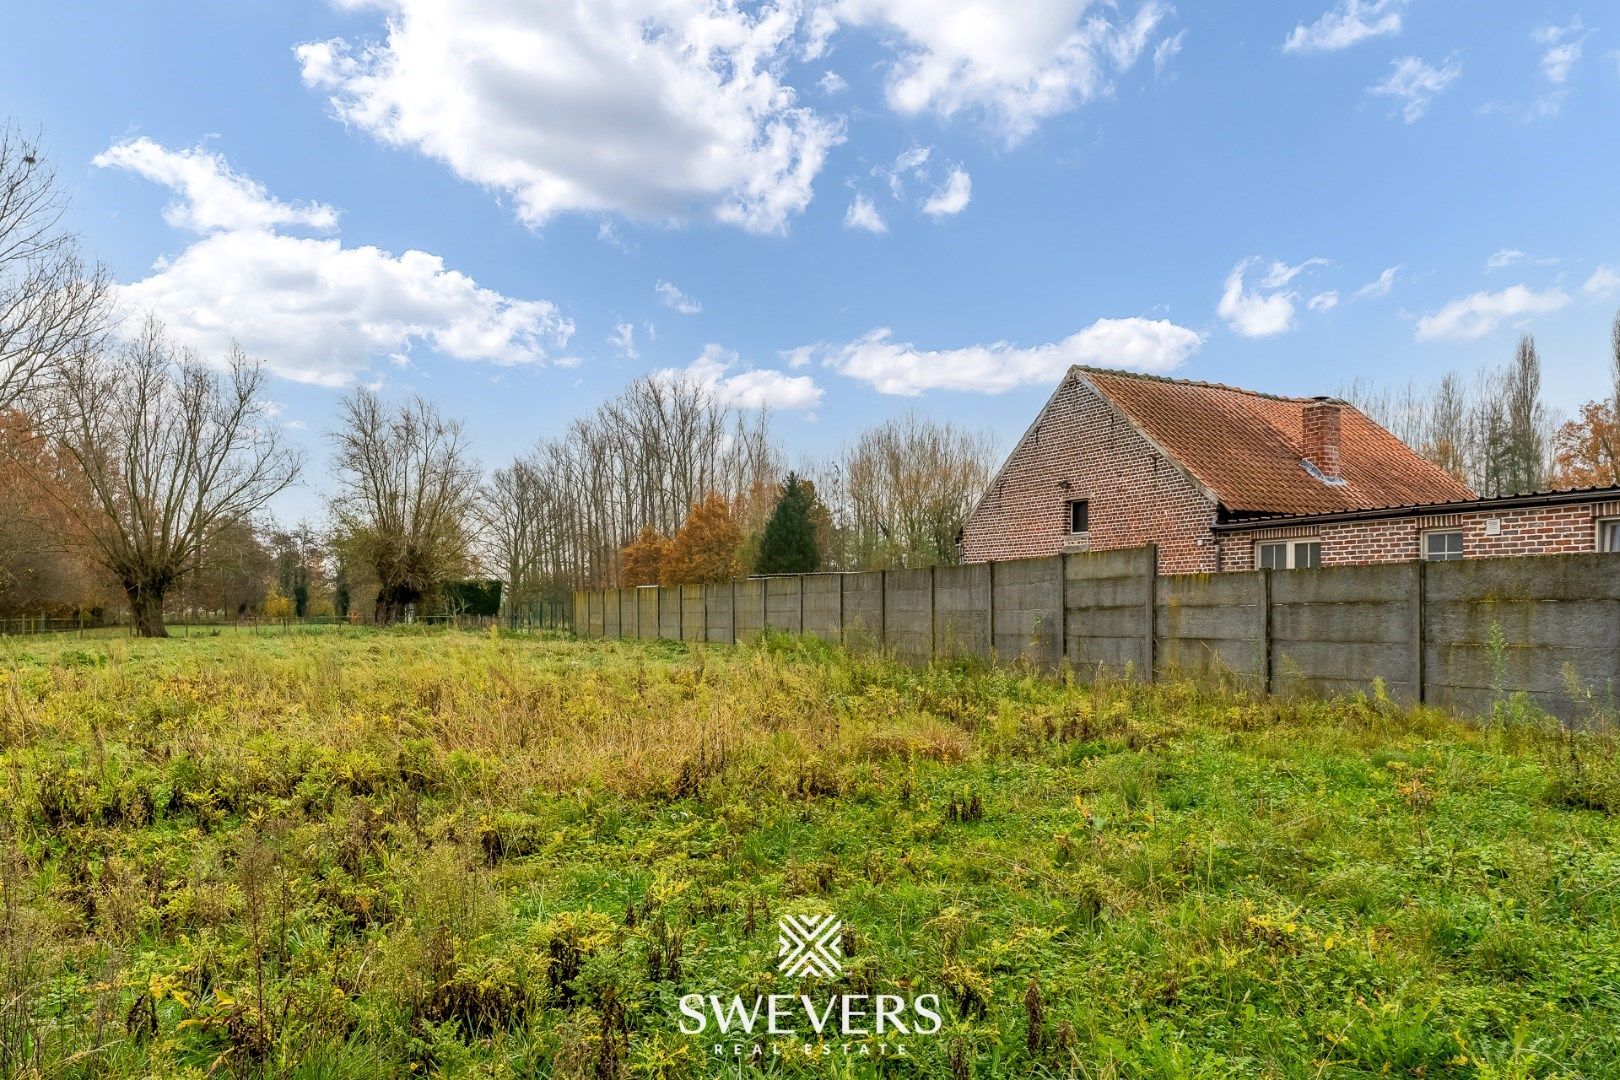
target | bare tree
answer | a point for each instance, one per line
(900, 493)
(512, 515)
(170, 451)
(404, 511)
(52, 305)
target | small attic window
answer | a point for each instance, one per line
(1079, 515)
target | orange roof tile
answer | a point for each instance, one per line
(1246, 447)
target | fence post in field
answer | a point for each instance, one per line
(734, 611)
(990, 612)
(1063, 605)
(843, 638)
(801, 604)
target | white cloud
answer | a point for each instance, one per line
(656, 109)
(1417, 83)
(212, 195)
(910, 161)
(952, 197)
(310, 308)
(863, 215)
(1478, 314)
(1379, 286)
(1166, 51)
(1281, 273)
(749, 388)
(893, 367)
(623, 339)
(672, 297)
(1503, 257)
(1564, 44)
(1324, 301)
(1256, 314)
(1345, 24)
(1605, 281)
(1018, 64)
(832, 83)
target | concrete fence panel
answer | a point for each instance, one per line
(1338, 629)
(782, 611)
(962, 610)
(863, 610)
(1028, 610)
(908, 613)
(669, 612)
(1546, 627)
(748, 609)
(1212, 626)
(693, 620)
(823, 612)
(717, 613)
(1109, 611)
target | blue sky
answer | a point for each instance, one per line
(843, 209)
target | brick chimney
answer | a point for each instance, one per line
(1322, 437)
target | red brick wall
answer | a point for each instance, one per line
(1548, 530)
(1136, 496)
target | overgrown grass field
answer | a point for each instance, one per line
(379, 854)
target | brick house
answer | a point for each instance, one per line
(1222, 478)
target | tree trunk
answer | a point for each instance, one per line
(146, 604)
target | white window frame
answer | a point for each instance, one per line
(1603, 524)
(1290, 551)
(1423, 544)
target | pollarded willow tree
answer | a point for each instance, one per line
(407, 485)
(167, 452)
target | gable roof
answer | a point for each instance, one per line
(1247, 447)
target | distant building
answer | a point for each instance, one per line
(1222, 478)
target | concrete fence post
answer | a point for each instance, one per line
(883, 609)
(933, 605)
(1063, 605)
(801, 605)
(1266, 675)
(1149, 644)
(990, 613)
(1419, 630)
(734, 611)
(843, 638)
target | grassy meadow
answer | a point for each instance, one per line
(390, 853)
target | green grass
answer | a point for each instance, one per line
(368, 854)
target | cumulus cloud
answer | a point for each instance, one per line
(832, 83)
(1478, 314)
(1259, 313)
(672, 297)
(1605, 281)
(212, 195)
(1323, 301)
(310, 308)
(655, 109)
(896, 367)
(1378, 286)
(951, 197)
(1416, 83)
(862, 214)
(1017, 64)
(1345, 24)
(722, 372)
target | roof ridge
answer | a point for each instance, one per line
(1148, 377)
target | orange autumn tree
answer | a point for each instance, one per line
(705, 547)
(1586, 452)
(641, 561)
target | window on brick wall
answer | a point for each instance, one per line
(1079, 515)
(1442, 545)
(1608, 535)
(1288, 554)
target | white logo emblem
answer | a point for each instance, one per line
(809, 945)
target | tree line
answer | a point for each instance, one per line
(135, 474)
